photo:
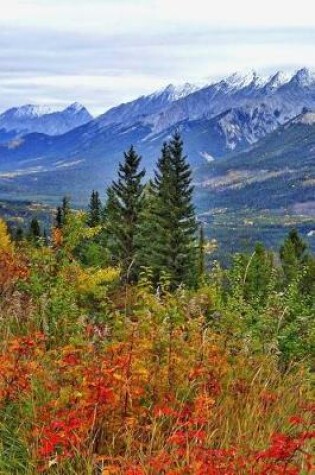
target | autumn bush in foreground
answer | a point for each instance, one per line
(100, 377)
(157, 397)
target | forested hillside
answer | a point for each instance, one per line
(125, 349)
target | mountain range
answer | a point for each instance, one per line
(250, 140)
(20, 121)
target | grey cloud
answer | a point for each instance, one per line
(27, 55)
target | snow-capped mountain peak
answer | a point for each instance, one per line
(304, 78)
(240, 80)
(175, 92)
(277, 80)
(44, 119)
(76, 107)
(184, 90)
(145, 106)
(30, 111)
(283, 94)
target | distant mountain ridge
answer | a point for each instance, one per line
(280, 91)
(43, 119)
(217, 120)
(282, 94)
(139, 109)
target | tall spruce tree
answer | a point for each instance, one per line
(147, 228)
(159, 217)
(65, 208)
(59, 218)
(62, 212)
(122, 212)
(34, 230)
(95, 210)
(175, 249)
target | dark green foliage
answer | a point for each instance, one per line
(122, 214)
(95, 210)
(258, 275)
(308, 279)
(201, 251)
(147, 236)
(174, 250)
(59, 218)
(293, 255)
(62, 212)
(275, 315)
(156, 219)
(93, 252)
(45, 237)
(298, 264)
(19, 234)
(297, 245)
(65, 208)
(34, 232)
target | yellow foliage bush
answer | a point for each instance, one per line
(89, 280)
(5, 241)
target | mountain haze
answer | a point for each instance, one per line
(244, 122)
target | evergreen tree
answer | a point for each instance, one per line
(93, 251)
(258, 274)
(122, 211)
(65, 208)
(298, 263)
(59, 218)
(19, 234)
(308, 281)
(62, 212)
(34, 229)
(95, 210)
(201, 251)
(156, 219)
(147, 232)
(298, 245)
(293, 255)
(175, 250)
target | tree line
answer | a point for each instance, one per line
(151, 227)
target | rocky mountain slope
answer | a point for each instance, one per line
(232, 124)
(27, 119)
(283, 95)
(276, 173)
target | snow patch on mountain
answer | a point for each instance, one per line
(175, 92)
(30, 111)
(240, 80)
(308, 118)
(31, 118)
(207, 156)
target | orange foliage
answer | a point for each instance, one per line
(57, 237)
(11, 270)
(114, 403)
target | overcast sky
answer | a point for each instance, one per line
(104, 52)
